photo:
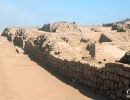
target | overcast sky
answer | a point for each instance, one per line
(39, 12)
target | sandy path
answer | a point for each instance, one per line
(23, 79)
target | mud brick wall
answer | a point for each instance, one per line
(9, 37)
(113, 79)
(19, 41)
(16, 40)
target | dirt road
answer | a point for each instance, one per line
(23, 79)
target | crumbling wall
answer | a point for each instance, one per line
(10, 35)
(15, 35)
(19, 41)
(112, 79)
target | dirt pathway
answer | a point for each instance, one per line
(23, 79)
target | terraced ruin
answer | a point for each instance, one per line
(96, 56)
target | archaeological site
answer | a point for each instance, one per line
(95, 56)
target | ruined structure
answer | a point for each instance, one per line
(65, 49)
(61, 27)
(122, 26)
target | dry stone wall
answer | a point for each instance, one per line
(112, 79)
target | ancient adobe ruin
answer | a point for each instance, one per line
(61, 27)
(89, 55)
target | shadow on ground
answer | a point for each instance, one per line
(85, 90)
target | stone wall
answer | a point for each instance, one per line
(112, 79)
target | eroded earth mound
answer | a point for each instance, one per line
(61, 27)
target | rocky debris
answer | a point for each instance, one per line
(126, 58)
(61, 27)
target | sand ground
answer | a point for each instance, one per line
(23, 79)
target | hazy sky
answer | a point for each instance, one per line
(38, 12)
